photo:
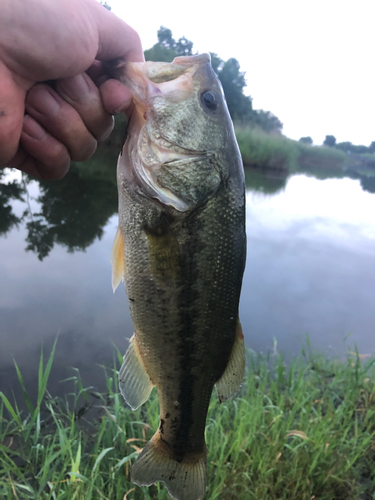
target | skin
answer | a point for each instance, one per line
(44, 125)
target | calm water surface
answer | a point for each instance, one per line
(310, 270)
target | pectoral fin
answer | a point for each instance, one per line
(134, 382)
(117, 260)
(230, 382)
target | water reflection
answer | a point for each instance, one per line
(265, 181)
(9, 191)
(71, 212)
(310, 268)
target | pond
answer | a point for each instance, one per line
(310, 270)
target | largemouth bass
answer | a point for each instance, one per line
(180, 248)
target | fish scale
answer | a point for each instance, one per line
(180, 248)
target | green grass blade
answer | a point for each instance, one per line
(100, 457)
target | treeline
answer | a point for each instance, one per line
(346, 146)
(231, 77)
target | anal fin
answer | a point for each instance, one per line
(134, 381)
(185, 480)
(117, 260)
(230, 382)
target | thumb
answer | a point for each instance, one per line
(12, 109)
(116, 38)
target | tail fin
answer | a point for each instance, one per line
(184, 481)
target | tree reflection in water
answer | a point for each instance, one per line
(74, 210)
(8, 192)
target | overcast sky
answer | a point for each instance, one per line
(309, 62)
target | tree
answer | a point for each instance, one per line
(346, 146)
(330, 141)
(233, 82)
(306, 140)
(371, 148)
(167, 48)
(350, 148)
(267, 121)
(184, 47)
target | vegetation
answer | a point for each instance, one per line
(329, 141)
(262, 150)
(298, 431)
(306, 140)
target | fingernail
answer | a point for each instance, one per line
(32, 128)
(76, 87)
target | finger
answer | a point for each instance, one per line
(96, 71)
(84, 96)
(12, 106)
(61, 121)
(40, 154)
(115, 96)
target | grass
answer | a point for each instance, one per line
(274, 151)
(300, 431)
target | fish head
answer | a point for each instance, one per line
(180, 133)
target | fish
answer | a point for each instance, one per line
(180, 248)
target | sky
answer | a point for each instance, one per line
(311, 63)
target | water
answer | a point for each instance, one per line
(310, 269)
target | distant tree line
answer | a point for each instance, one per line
(230, 75)
(346, 146)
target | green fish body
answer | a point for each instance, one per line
(180, 248)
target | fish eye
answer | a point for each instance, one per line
(209, 99)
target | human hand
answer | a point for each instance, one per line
(66, 42)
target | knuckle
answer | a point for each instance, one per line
(42, 99)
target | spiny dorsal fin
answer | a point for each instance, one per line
(117, 260)
(230, 382)
(135, 384)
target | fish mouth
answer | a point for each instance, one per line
(148, 79)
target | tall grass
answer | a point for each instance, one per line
(259, 149)
(300, 431)
(274, 151)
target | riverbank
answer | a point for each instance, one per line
(276, 151)
(285, 156)
(299, 431)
